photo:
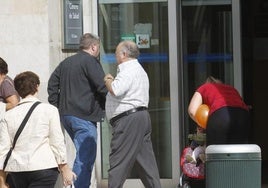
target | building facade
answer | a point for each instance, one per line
(181, 43)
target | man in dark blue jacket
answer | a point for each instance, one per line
(77, 88)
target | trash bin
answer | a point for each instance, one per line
(233, 166)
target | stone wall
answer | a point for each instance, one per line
(31, 40)
(24, 37)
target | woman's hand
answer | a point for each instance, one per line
(68, 175)
(3, 183)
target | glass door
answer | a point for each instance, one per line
(146, 23)
(208, 46)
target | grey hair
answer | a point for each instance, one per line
(130, 48)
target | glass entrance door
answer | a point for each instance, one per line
(146, 23)
(181, 43)
(208, 46)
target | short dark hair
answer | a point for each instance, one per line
(3, 66)
(26, 83)
(87, 40)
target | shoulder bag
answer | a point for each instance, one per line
(22, 125)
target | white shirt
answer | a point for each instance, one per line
(130, 87)
(40, 144)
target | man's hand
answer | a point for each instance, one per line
(108, 79)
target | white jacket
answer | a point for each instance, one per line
(41, 143)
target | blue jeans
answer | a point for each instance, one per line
(84, 136)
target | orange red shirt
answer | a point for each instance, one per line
(218, 95)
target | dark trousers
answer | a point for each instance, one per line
(228, 125)
(131, 143)
(35, 179)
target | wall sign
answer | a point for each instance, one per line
(127, 36)
(73, 23)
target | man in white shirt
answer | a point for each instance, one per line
(126, 109)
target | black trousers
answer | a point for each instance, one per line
(131, 144)
(228, 125)
(34, 179)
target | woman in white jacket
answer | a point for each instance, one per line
(40, 152)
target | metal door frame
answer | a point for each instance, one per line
(176, 85)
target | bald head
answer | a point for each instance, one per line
(130, 49)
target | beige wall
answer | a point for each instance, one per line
(31, 39)
(31, 35)
(24, 36)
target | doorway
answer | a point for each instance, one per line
(146, 23)
(207, 40)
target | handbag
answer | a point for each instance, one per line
(22, 125)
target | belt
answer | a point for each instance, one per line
(126, 113)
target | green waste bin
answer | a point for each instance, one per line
(233, 166)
